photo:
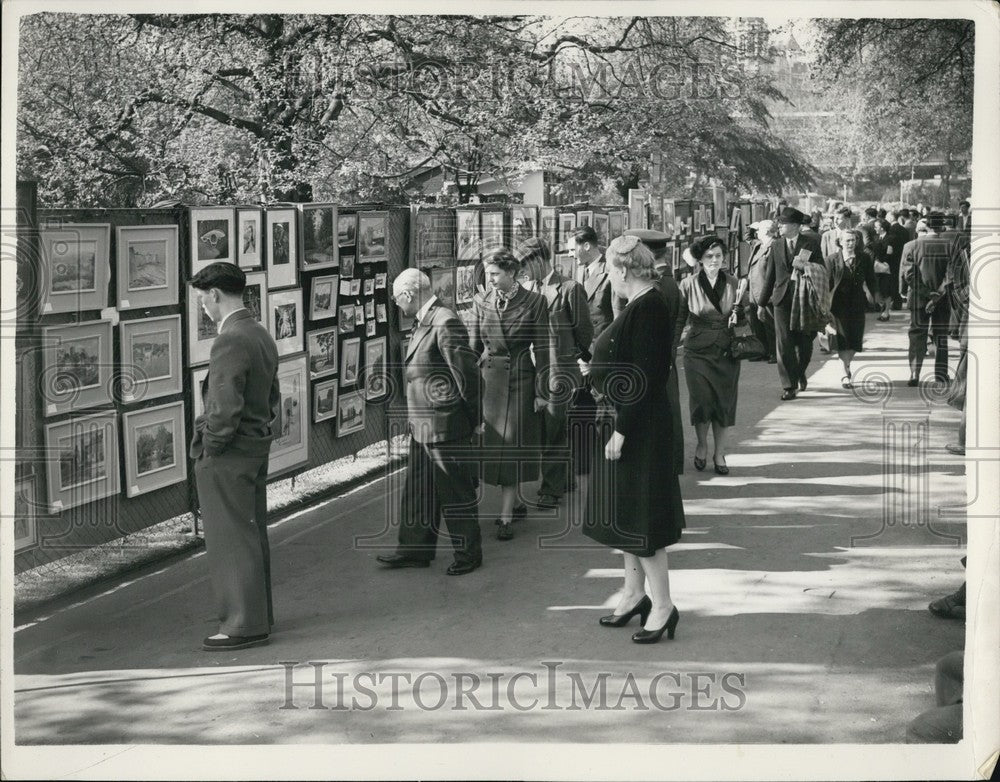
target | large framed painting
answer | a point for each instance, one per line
(376, 383)
(198, 377)
(465, 283)
(601, 224)
(155, 452)
(492, 226)
(147, 266)
(211, 237)
(524, 224)
(77, 262)
(321, 346)
(567, 225)
(82, 463)
(290, 448)
(151, 358)
(284, 314)
(25, 516)
(350, 359)
(77, 366)
(432, 234)
(443, 285)
(320, 241)
(323, 297)
(372, 230)
(548, 226)
(468, 235)
(324, 401)
(282, 255)
(250, 238)
(350, 413)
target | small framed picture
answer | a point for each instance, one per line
(432, 235)
(284, 312)
(493, 233)
(201, 331)
(548, 226)
(465, 283)
(370, 328)
(198, 378)
(616, 225)
(567, 225)
(77, 262)
(250, 242)
(584, 219)
(254, 294)
(601, 222)
(669, 214)
(345, 318)
(25, 513)
(524, 223)
(319, 242)
(359, 315)
(443, 285)
(151, 358)
(380, 313)
(369, 286)
(77, 366)
(324, 401)
(345, 287)
(147, 266)
(82, 465)
(372, 235)
(376, 383)
(380, 280)
(469, 235)
(347, 265)
(321, 346)
(282, 266)
(350, 356)
(347, 230)
(323, 297)
(355, 287)
(154, 448)
(290, 448)
(350, 413)
(370, 309)
(211, 237)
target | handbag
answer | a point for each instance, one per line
(881, 267)
(743, 343)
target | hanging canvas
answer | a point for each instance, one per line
(493, 234)
(198, 377)
(211, 237)
(150, 358)
(77, 262)
(282, 256)
(524, 224)
(325, 401)
(249, 238)
(321, 346)
(350, 357)
(290, 447)
(77, 366)
(465, 284)
(320, 238)
(82, 463)
(155, 452)
(376, 383)
(616, 224)
(601, 228)
(350, 413)
(433, 236)
(372, 235)
(443, 285)
(284, 312)
(567, 225)
(147, 266)
(323, 297)
(347, 230)
(469, 235)
(548, 226)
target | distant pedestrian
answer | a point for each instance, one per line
(851, 272)
(886, 257)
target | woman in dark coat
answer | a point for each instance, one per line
(634, 504)
(883, 251)
(510, 333)
(708, 303)
(851, 270)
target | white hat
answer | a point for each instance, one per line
(762, 225)
(688, 258)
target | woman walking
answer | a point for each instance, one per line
(851, 271)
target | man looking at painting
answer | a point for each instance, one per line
(231, 443)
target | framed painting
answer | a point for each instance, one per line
(465, 283)
(356, 287)
(77, 366)
(198, 377)
(565, 264)
(380, 313)
(347, 265)
(82, 463)
(290, 448)
(25, 516)
(323, 297)
(380, 281)
(370, 328)
(282, 268)
(524, 223)
(350, 359)
(636, 207)
(320, 242)
(601, 228)
(345, 319)
(548, 226)
(284, 320)
(350, 413)
(493, 235)
(211, 237)
(324, 401)
(147, 266)
(669, 216)
(376, 383)
(567, 225)
(359, 315)
(616, 224)
(151, 358)
(372, 228)
(443, 285)
(321, 346)
(369, 287)
(347, 229)
(584, 218)
(250, 241)
(155, 453)
(77, 261)
(370, 309)
(468, 239)
(432, 236)
(255, 293)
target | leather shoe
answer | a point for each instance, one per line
(803, 383)
(948, 608)
(461, 568)
(231, 642)
(504, 531)
(547, 501)
(789, 393)
(956, 450)
(399, 560)
(519, 513)
(913, 382)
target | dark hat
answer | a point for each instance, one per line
(654, 240)
(701, 245)
(790, 214)
(532, 247)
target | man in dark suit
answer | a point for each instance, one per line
(790, 251)
(443, 407)
(231, 443)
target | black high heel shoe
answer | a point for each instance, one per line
(642, 608)
(652, 636)
(699, 464)
(720, 469)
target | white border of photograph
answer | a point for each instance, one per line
(226, 213)
(381, 391)
(317, 390)
(347, 347)
(90, 490)
(316, 313)
(283, 275)
(142, 388)
(288, 457)
(60, 397)
(334, 261)
(295, 342)
(76, 300)
(154, 295)
(26, 496)
(311, 352)
(158, 477)
(342, 399)
(250, 259)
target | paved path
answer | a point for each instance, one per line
(802, 581)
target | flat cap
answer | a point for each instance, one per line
(654, 240)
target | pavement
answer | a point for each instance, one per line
(802, 580)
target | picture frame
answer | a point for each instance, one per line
(77, 267)
(347, 265)
(290, 448)
(636, 207)
(77, 366)
(356, 287)
(284, 320)
(370, 309)
(350, 413)
(370, 328)
(148, 266)
(255, 294)
(359, 315)
(601, 223)
(325, 401)
(492, 230)
(380, 313)
(432, 235)
(443, 285)
(565, 264)
(465, 283)
(25, 513)
(718, 204)
(369, 286)
(523, 223)
(155, 448)
(320, 238)
(376, 380)
(250, 239)
(282, 248)
(198, 377)
(350, 358)
(548, 226)
(212, 236)
(616, 224)
(669, 215)
(202, 331)
(380, 280)
(372, 235)
(567, 225)
(83, 460)
(347, 229)
(584, 218)
(323, 297)
(345, 318)
(321, 347)
(150, 358)
(468, 235)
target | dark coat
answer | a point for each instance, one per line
(671, 293)
(923, 268)
(778, 281)
(599, 298)
(571, 330)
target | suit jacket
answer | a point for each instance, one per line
(778, 275)
(442, 380)
(240, 393)
(757, 268)
(571, 330)
(599, 299)
(836, 267)
(703, 325)
(828, 244)
(923, 268)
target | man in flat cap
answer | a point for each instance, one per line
(792, 250)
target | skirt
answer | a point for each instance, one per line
(713, 383)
